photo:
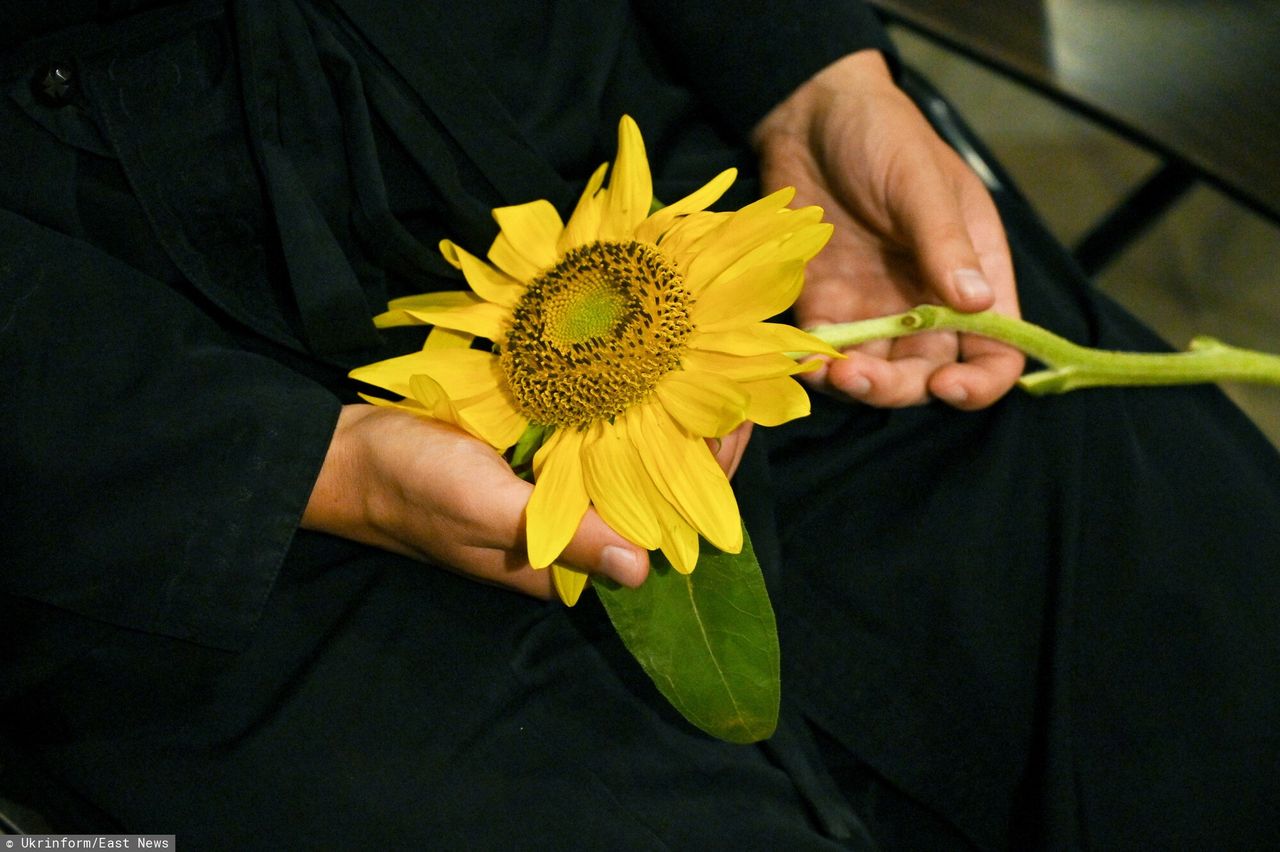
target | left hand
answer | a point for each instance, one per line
(913, 224)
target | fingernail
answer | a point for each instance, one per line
(955, 395)
(858, 386)
(619, 564)
(972, 285)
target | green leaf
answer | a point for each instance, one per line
(707, 639)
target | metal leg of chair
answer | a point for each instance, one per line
(1132, 216)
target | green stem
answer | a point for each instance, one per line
(1069, 366)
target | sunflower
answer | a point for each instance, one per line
(622, 339)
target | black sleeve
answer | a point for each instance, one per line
(152, 472)
(746, 57)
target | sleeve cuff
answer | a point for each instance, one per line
(152, 470)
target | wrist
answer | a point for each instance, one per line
(338, 501)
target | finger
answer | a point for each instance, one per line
(508, 570)
(834, 298)
(882, 383)
(597, 549)
(988, 371)
(931, 208)
(491, 543)
(820, 378)
(816, 377)
(899, 378)
(729, 449)
(939, 348)
(988, 368)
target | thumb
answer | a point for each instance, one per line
(938, 234)
(597, 549)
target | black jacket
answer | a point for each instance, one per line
(196, 236)
(1049, 624)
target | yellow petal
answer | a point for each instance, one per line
(686, 237)
(449, 250)
(686, 473)
(763, 337)
(759, 293)
(504, 255)
(434, 301)
(397, 309)
(393, 374)
(533, 230)
(765, 236)
(492, 417)
(391, 319)
(743, 368)
(800, 245)
(652, 228)
(447, 338)
(759, 222)
(427, 392)
(462, 372)
(775, 401)
(630, 192)
(584, 222)
(808, 365)
(706, 404)
(487, 416)
(806, 242)
(619, 487)
(490, 284)
(676, 538)
(679, 541)
(559, 497)
(410, 405)
(483, 319)
(569, 582)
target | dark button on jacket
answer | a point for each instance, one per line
(54, 84)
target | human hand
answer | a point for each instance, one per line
(729, 449)
(427, 490)
(912, 225)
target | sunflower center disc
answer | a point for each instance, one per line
(593, 334)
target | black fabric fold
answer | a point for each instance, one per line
(133, 426)
(298, 137)
(164, 89)
(465, 107)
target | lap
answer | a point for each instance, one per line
(410, 708)
(1053, 613)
